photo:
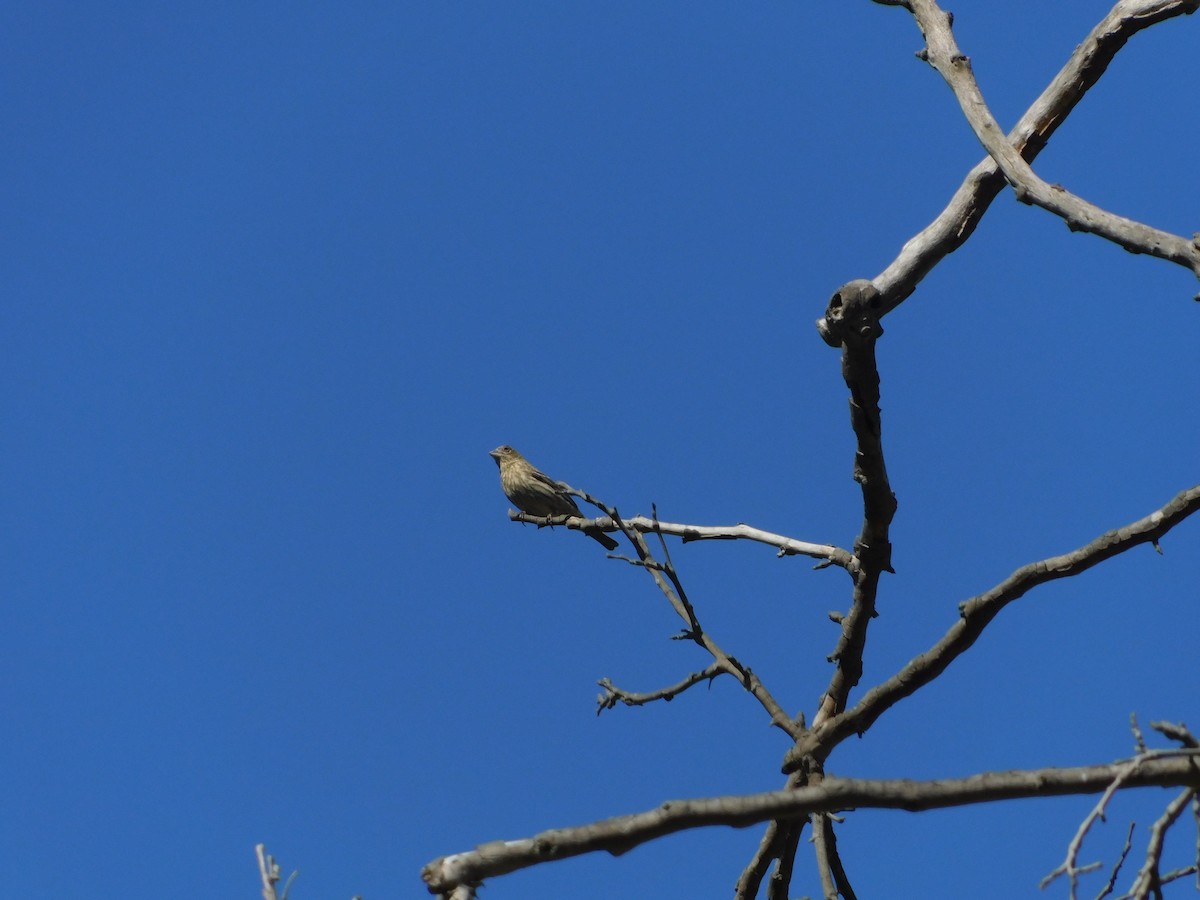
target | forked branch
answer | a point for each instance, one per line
(954, 66)
(957, 222)
(978, 611)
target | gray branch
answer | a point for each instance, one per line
(787, 546)
(943, 53)
(1148, 878)
(613, 695)
(1176, 768)
(957, 222)
(976, 613)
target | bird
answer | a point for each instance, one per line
(536, 493)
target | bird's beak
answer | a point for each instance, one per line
(495, 454)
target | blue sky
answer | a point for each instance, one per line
(277, 277)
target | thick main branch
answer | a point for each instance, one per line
(618, 835)
(851, 322)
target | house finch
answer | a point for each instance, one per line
(536, 493)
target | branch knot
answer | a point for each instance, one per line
(852, 314)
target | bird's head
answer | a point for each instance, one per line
(504, 453)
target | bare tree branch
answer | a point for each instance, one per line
(821, 833)
(1167, 768)
(840, 878)
(1196, 817)
(1069, 866)
(943, 53)
(779, 842)
(1173, 875)
(1116, 869)
(780, 882)
(1139, 739)
(851, 322)
(1176, 732)
(957, 222)
(787, 546)
(668, 581)
(613, 695)
(769, 848)
(1148, 878)
(679, 600)
(834, 881)
(270, 874)
(977, 612)
(268, 871)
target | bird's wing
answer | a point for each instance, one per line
(545, 479)
(565, 502)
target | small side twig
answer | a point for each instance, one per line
(1139, 739)
(270, 873)
(1116, 869)
(613, 695)
(1173, 731)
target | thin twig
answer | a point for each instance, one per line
(613, 695)
(1176, 731)
(1116, 869)
(1139, 739)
